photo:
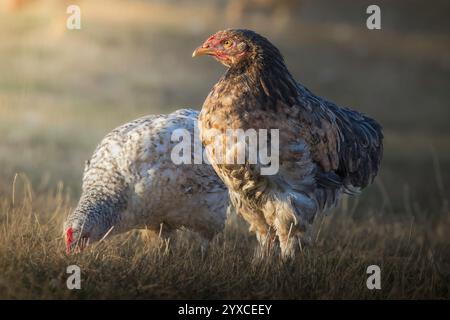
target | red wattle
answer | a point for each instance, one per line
(69, 239)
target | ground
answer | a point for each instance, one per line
(62, 91)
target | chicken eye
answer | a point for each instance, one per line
(227, 43)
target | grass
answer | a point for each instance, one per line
(412, 252)
(61, 92)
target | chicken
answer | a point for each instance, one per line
(323, 150)
(132, 182)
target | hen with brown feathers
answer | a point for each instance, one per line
(324, 149)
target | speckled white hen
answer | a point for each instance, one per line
(131, 182)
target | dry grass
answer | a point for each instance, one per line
(413, 253)
(61, 92)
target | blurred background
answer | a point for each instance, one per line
(62, 90)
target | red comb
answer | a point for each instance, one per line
(69, 239)
(213, 40)
(211, 37)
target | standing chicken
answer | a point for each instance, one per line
(132, 182)
(324, 149)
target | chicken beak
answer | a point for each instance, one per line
(202, 51)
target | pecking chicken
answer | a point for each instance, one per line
(132, 182)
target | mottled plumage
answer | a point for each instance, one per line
(325, 149)
(131, 182)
